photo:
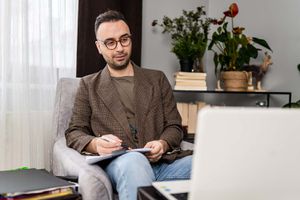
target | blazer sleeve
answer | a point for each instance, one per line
(79, 133)
(172, 132)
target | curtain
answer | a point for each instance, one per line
(37, 46)
(88, 59)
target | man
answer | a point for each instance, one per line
(127, 105)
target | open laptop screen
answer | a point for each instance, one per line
(246, 153)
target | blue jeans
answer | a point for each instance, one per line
(133, 170)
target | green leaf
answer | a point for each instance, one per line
(262, 43)
(252, 51)
(292, 105)
(216, 61)
(225, 26)
(219, 29)
(210, 45)
(244, 40)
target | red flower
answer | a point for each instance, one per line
(233, 10)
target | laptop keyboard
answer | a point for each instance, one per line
(181, 196)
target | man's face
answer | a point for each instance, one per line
(107, 35)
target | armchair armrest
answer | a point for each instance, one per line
(92, 179)
(186, 145)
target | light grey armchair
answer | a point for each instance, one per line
(93, 181)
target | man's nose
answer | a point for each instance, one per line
(119, 46)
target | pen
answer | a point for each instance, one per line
(124, 146)
(176, 150)
(107, 139)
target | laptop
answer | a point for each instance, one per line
(244, 153)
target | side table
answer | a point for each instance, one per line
(149, 193)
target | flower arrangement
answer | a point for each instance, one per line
(232, 48)
(189, 33)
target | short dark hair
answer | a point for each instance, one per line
(108, 16)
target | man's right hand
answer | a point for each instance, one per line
(104, 144)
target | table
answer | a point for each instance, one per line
(149, 193)
(268, 94)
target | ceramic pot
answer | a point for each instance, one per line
(186, 65)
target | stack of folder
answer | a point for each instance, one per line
(34, 184)
(190, 81)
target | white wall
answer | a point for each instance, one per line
(277, 23)
(274, 21)
(155, 45)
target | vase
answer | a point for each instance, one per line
(234, 80)
(186, 65)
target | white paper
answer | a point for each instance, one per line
(94, 159)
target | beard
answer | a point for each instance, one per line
(119, 65)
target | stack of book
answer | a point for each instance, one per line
(190, 81)
(34, 184)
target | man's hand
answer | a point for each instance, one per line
(158, 148)
(104, 144)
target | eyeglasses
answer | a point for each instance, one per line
(111, 44)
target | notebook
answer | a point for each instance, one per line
(246, 153)
(97, 158)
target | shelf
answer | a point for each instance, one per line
(266, 93)
(234, 92)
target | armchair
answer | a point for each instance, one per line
(93, 181)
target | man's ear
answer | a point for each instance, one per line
(98, 47)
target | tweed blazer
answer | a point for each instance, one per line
(98, 110)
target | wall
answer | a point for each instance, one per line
(274, 21)
(155, 45)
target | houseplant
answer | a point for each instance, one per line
(232, 48)
(189, 34)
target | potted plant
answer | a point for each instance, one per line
(233, 49)
(189, 34)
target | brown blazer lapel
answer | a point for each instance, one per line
(143, 94)
(109, 95)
